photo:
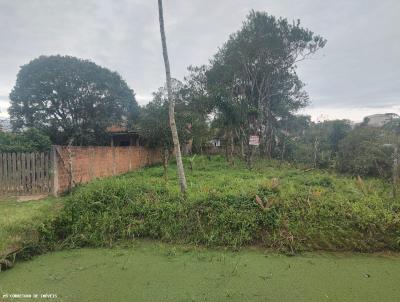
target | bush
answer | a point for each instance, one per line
(362, 152)
(317, 145)
(31, 140)
(296, 211)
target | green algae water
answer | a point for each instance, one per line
(151, 271)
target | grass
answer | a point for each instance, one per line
(151, 271)
(20, 220)
(275, 205)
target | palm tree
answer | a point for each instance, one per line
(172, 123)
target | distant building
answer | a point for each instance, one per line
(122, 137)
(216, 142)
(5, 125)
(379, 120)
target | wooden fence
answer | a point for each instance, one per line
(25, 173)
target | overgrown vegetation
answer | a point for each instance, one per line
(31, 140)
(19, 222)
(365, 151)
(249, 88)
(274, 205)
(358, 150)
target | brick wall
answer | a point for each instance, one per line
(76, 165)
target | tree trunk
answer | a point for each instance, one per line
(175, 138)
(283, 149)
(249, 156)
(226, 139)
(395, 175)
(315, 151)
(242, 153)
(232, 148)
(165, 163)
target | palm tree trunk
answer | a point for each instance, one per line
(175, 138)
(165, 163)
(232, 148)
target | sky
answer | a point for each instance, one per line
(356, 74)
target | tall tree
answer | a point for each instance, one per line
(70, 99)
(154, 127)
(255, 71)
(195, 107)
(175, 138)
(154, 121)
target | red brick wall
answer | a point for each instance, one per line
(89, 163)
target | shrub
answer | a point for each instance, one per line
(362, 152)
(297, 211)
(31, 140)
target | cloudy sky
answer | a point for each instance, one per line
(356, 74)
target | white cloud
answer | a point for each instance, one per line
(143, 99)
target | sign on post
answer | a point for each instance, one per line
(254, 140)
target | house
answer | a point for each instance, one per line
(122, 137)
(216, 142)
(5, 125)
(379, 120)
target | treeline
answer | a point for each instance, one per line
(355, 149)
(30, 140)
(249, 88)
(338, 144)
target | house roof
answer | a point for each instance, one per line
(120, 130)
(116, 129)
(387, 115)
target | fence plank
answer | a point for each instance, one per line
(25, 173)
(3, 176)
(9, 172)
(46, 172)
(33, 170)
(18, 173)
(38, 173)
(41, 173)
(28, 172)
(50, 171)
(5, 161)
(13, 172)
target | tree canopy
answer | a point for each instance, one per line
(253, 76)
(70, 99)
(191, 117)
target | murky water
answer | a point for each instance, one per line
(153, 272)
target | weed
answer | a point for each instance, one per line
(274, 206)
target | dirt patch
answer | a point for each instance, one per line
(31, 197)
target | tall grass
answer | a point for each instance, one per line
(274, 205)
